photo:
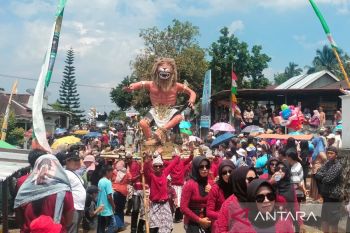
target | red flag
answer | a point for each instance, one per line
(234, 76)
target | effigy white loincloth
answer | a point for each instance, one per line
(162, 114)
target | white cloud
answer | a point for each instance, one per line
(30, 8)
(303, 41)
(104, 35)
(236, 26)
(283, 5)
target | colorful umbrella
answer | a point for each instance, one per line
(253, 129)
(185, 125)
(222, 126)
(81, 132)
(93, 135)
(338, 128)
(194, 139)
(59, 131)
(69, 140)
(221, 139)
(5, 145)
(186, 131)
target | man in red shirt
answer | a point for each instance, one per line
(177, 175)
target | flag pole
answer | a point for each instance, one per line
(7, 113)
(330, 39)
(143, 184)
(341, 66)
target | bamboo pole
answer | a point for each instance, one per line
(7, 113)
(143, 185)
(341, 66)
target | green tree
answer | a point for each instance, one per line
(177, 41)
(57, 106)
(15, 135)
(290, 71)
(69, 96)
(120, 97)
(326, 60)
(117, 115)
(229, 53)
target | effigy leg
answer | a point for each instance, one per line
(146, 129)
(173, 122)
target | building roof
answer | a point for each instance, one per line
(12, 161)
(20, 106)
(304, 80)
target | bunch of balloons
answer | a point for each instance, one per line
(291, 117)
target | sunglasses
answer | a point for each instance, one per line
(227, 172)
(157, 166)
(260, 198)
(250, 179)
(283, 169)
(273, 164)
(201, 167)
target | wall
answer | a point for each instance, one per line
(325, 80)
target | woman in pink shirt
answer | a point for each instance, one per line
(194, 197)
(220, 191)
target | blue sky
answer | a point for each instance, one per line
(104, 34)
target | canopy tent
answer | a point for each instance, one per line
(5, 145)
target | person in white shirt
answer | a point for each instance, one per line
(78, 190)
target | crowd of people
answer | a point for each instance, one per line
(220, 189)
(265, 117)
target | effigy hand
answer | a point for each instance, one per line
(127, 89)
(191, 105)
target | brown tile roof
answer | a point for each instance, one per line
(18, 105)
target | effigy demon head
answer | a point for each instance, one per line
(164, 73)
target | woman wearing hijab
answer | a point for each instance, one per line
(220, 191)
(318, 159)
(121, 178)
(271, 166)
(305, 156)
(236, 204)
(45, 192)
(286, 192)
(194, 197)
(262, 198)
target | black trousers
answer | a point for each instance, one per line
(103, 222)
(136, 204)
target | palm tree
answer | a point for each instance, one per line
(291, 70)
(325, 60)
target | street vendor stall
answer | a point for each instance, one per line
(11, 162)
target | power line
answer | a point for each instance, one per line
(55, 82)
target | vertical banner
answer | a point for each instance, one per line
(206, 112)
(44, 79)
(233, 92)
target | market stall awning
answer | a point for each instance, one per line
(12, 161)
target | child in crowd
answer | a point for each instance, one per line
(90, 211)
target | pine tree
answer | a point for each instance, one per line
(69, 96)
